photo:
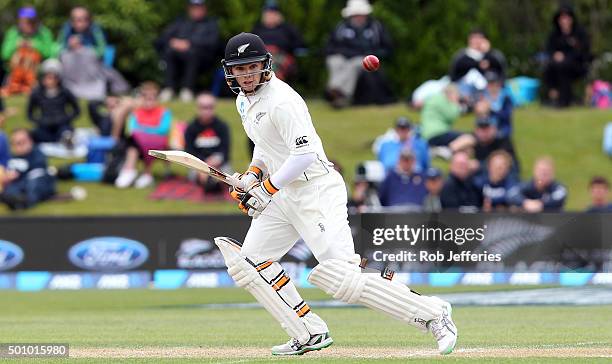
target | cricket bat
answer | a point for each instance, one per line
(192, 162)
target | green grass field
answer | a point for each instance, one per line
(572, 137)
(170, 326)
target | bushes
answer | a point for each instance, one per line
(426, 33)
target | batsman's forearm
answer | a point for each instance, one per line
(291, 169)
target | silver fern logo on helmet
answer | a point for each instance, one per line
(243, 48)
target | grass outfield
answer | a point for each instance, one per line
(150, 325)
(573, 137)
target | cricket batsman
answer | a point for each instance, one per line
(292, 190)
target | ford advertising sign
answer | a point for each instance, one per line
(108, 254)
(10, 255)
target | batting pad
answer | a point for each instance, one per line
(246, 275)
(346, 282)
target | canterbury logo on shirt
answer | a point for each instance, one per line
(301, 141)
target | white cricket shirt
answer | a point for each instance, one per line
(277, 120)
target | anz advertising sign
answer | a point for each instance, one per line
(108, 254)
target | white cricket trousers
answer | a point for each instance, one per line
(314, 210)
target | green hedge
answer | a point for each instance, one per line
(426, 33)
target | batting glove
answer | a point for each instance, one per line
(245, 181)
(257, 198)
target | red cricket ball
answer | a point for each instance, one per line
(371, 63)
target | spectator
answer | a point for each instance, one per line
(208, 138)
(568, 50)
(148, 127)
(81, 31)
(542, 193)
(439, 113)
(355, 37)
(403, 186)
(282, 40)
(365, 195)
(4, 145)
(499, 182)
(487, 141)
(404, 137)
(82, 47)
(460, 191)
(498, 104)
(600, 195)
(188, 45)
(52, 107)
(477, 55)
(26, 181)
(24, 47)
(434, 184)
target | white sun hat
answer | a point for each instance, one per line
(356, 7)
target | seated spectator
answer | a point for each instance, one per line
(498, 104)
(52, 107)
(403, 186)
(26, 181)
(23, 48)
(499, 182)
(189, 45)
(460, 191)
(282, 40)
(439, 113)
(355, 37)
(405, 137)
(208, 138)
(600, 195)
(487, 141)
(82, 47)
(568, 50)
(148, 127)
(477, 56)
(365, 194)
(434, 184)
(4, 145)
(542, 193)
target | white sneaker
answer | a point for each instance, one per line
(144, 181)
(444, 330)
(293, 346)
(126, 178)
(166, 95)
(186, 95)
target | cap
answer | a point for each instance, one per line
(433, 172)
(356, 7)
(51, 65)
(403, 122)
(197, 2)
(492, 76)
(406, 153)
(271, 5)
(27, 12)
(485, 121)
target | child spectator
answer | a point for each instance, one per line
(26, 181)
(460, 191)
(542, 193)
(439, 113)
(498, 182)
(208, 138)
(403, 186)
(600, 195)
(405, 138)
(282, 40)
(148, 127)
(434, 184)
(499, 104)
(23, 48)
(52, 107)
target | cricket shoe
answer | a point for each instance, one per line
(293, 346)
(444, 330)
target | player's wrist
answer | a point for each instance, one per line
(269, 187)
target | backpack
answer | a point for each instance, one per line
(602, 94)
